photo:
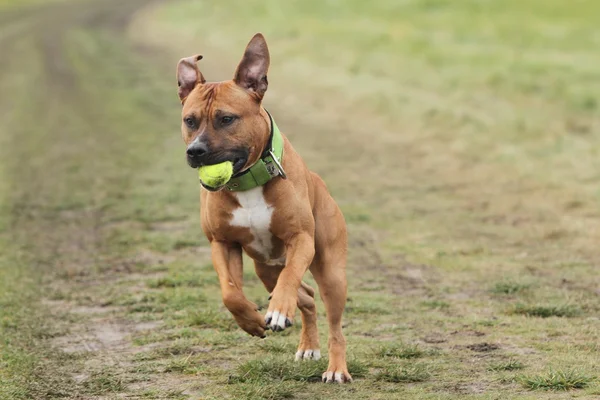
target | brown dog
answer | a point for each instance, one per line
(274, 208)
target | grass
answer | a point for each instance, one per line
(15, 4)
(459, 138)
(276, 369)
(436, 304)
(403, 374)
(396, 350)
(546, 311)
(508, 365)
(182, 365)
(209, 319)
(508, 287)
(104, 382)
(557, 380)
(274, 347)
(173, 281)
(275, 391)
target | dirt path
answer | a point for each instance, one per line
(63, 151)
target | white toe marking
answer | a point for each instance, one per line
(328, 376)
(310, 354)
(274, 320)
(269, 315)
(277, 320)
(281, 321)
(339, 377)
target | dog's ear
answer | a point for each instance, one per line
(188, 75)
(251, 74)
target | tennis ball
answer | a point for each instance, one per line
(216, 175)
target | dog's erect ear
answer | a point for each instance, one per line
(188, 75)
(251, 74)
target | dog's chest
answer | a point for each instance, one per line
(255, 214)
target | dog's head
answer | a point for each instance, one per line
(222, 121)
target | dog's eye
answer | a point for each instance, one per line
(190, 122)
(227, 119)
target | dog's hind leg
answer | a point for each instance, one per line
(330, 274)
(329, 270)
(309, 338)
(268, 274)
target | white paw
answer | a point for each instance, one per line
(277, 321)
(337, 377)
(309, 354)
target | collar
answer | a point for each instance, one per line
(266, 168)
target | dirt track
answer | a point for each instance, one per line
(63, 153)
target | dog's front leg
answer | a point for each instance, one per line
(300, 250)
(227, 261)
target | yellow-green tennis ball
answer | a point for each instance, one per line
(215, 176)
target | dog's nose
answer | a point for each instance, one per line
(196, 149)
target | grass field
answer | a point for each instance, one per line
(460, 138)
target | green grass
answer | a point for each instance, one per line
(399, 350)
(275, 391)
(15, 4)
(509, 287)
(161, 394)
(403, 373)
(546, 311)
(436, 304)
(209, 319)
(182, 365)
(557, 380)
(460, 139)
(277, 369)
(273, 347)
(104, 382)
(508, 365)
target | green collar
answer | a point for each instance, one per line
(266, 168)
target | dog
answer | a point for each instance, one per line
(273, 208)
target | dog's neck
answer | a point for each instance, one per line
(268, 164)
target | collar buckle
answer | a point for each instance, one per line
(274, 167)
(268, 167)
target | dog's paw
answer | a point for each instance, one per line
(308, 354)
(277, 320)
(281, 312)
(253, 323)
(337, 374)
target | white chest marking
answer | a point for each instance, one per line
(254, 213)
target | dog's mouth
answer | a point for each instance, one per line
(211, 189)
(238, 165)
(237, 157)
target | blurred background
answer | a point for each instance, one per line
(460, 139)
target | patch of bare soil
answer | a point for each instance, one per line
(434, 339)
(465, 388)
(399, 276)
(100, 334)
(483, 347)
